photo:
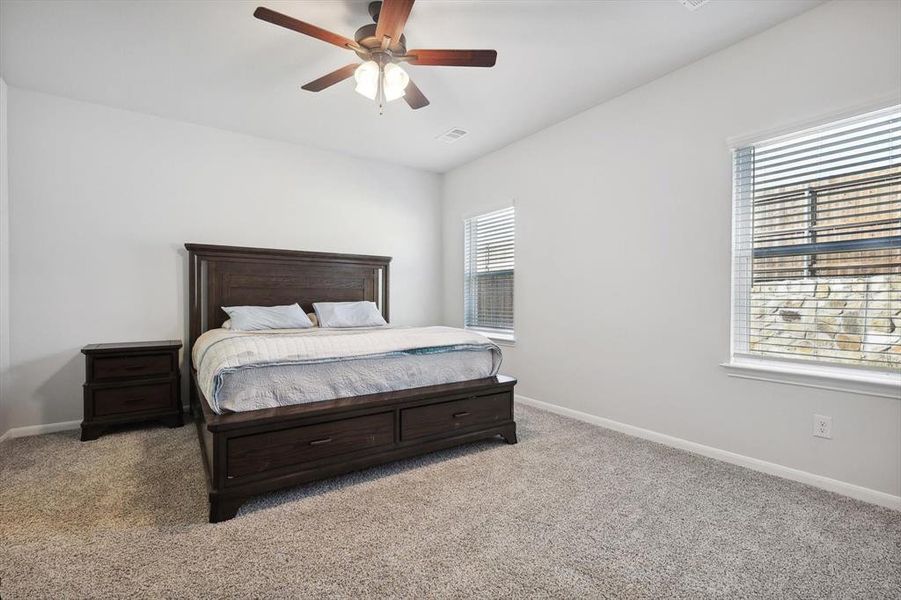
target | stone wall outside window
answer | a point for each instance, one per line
(849, 319)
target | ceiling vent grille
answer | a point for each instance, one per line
(451, 135)
(693, 4)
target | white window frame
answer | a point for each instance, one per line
(834, 377)
(503, 338)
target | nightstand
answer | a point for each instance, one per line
(130, 382)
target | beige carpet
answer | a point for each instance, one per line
(572, 511)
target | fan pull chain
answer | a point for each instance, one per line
(381, 89)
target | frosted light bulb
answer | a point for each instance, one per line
(367, 78)
(396, 80)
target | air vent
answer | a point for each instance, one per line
(693, 4)
(451, 135)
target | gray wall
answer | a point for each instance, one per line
(623, 247)
(102, 201)
(4, 260)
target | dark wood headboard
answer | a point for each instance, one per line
(233, 276)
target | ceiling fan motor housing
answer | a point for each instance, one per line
(365, 36)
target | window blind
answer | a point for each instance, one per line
(817, 244)
(489, 252)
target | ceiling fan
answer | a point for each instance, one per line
(381, 46)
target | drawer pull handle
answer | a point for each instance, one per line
(135, 367)
(321, 442)
(460, 415)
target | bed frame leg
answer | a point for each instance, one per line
(509, 434)
(90, 432)
(174, 421)
(223, 509)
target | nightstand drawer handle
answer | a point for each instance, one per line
(321, 442)
(135, 367)
(460, 415)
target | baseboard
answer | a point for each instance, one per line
(17, 432)
(833, 485)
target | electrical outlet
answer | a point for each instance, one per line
(822, 426)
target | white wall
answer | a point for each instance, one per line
(623, 247)
(4, 259)
(102, 201)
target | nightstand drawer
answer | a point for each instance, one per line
(136, 366)
(134, 398)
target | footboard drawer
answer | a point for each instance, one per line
(448, 417)
(274, 449)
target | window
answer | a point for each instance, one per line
(488, 273)
(817, 245)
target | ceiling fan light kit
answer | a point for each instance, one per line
(382, 82)
(381, 46)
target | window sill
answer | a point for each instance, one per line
(881, 384)
(501, 339)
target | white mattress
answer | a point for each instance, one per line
(242, 371)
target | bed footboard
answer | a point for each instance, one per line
(254, 452)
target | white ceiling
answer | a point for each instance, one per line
(212, 63)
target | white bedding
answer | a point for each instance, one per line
(240, 371)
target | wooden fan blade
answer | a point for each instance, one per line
(293, 24)
(414, 96)
(337, 76)
(453, 58)
(392, 18)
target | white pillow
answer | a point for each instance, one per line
(348, 314)
(254, 318)
(310, 316)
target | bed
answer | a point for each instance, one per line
(256, 450)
